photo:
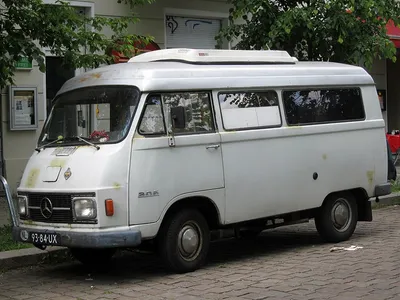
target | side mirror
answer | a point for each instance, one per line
(178, 117)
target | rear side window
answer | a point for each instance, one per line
(323, 106)
(244, 110)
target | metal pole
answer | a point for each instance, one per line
(11, 205)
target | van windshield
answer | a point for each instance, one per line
(96, 114)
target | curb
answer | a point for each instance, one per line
(32, 256)
(387, 200)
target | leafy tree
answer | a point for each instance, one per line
(27, 26)
(346, 31)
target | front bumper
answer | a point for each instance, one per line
(122, 238)
(73, 239)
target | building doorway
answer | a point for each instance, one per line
(393, 94)
(57, 73)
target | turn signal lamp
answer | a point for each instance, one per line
(109, 207)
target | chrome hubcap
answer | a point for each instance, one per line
(341, 214)
(189, 241)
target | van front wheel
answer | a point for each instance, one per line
(184, 241)
(337, 218)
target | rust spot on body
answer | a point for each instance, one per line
(32, 178)
(58, 162)
(28, 222)
(370, 176)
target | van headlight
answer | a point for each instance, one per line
(84, 208)
(23, 206)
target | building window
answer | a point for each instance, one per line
(188, 32)
(323, 106)
(18, 105)
(241, 110)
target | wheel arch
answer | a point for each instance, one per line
(204, 204)
(362, 199)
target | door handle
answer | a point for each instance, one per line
(212, 147)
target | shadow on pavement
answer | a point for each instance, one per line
(131, 266)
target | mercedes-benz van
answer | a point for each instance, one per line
(177, 144)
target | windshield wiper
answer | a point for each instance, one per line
(87, 142)
(38, 149)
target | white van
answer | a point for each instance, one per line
(179, 143)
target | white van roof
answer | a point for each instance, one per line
(214, 56)
(149, 74)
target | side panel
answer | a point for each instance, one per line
(274, 171)
(164, 173)
(377, 143)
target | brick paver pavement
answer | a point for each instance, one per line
(287, 263)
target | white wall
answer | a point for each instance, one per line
(18, 146)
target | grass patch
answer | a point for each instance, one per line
(395, 186)
(6, 241)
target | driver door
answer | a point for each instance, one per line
(185, 162)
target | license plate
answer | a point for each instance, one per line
(45, 238)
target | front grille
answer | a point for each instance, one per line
(58, 200)
(59, 216)
(61, 204)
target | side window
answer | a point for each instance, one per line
(323, 106)
(197, 111)
(153, 120)
(242, 110)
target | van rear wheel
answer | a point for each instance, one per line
(184, 241)
(92, 257)
(337, 218)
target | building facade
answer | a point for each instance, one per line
(173, 23)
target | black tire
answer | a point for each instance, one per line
(340, 228)
(180, 257)
(93, 257)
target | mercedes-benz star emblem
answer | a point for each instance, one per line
(46, 208)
